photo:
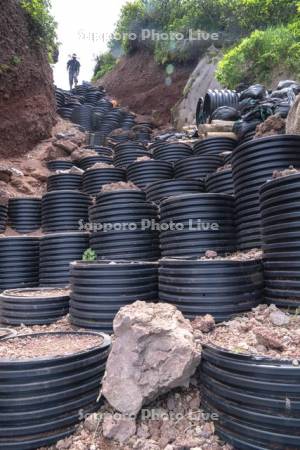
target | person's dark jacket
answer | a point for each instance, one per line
(73, 66)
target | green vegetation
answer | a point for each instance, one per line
(15, 60)
(89, 255)
(42, 24)
(249, 25)
(256, 57)
(4, 68)
(104, 64)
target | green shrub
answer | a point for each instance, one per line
(41, 24)
(233, 19)
(257, 56)
(89, 255)
(104, 64)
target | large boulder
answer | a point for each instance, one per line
(293, 118)
(200, 81)
(153, 352)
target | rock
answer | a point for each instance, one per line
(194, 403)
(154, 429)
(268, 338)
(153, 352)
(279, 318)
(76, 170)
(167, 433)
(67, 146)
(205, 324)
(5, 174)
(40, 175)
(64, 444)
(53, 152)
(187, 444)
(16, 172)
(146, 445)
(4, 197)
(201, 79)
(100, 166)
(119, 185)
(143, 158)
(118, 427)
(21, 185)
(211, 254)
(143, 431)
(82, 153)
(293, 118)
(207, 430)
(91, 422)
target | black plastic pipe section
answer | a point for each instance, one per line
(253, 164)
(24, 214)
(100, 289)
(256, 399)
(213, 100)
(191, 224)
(56, 252)
(3, 217)
(172, 151)
(64, 210)
(279, 202)
(64, 181)
(142, 173)
(94, 179)
(59, 164)
(88, 161)
(221, 288)
(125, 156)
(43, 397)
(214, 146)
(220, 182)
(160, 190)
(123, 226)
(19, 262)
(197, 167)
(31, 307)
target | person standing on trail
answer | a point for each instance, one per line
(73, 67)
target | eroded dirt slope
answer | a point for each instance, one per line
(27, 106)
(145, 87)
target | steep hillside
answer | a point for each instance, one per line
(27, 108)
(145, 87)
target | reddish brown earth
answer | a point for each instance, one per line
(27, 105)
(140, 83)
(26, 175)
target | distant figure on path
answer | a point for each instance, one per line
(73, 67)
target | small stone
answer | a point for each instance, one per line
(66, 145)
(205, 324)
(279, 318)
(64, 444)
(208, 429)
(146, 445)
(295, 362)
(194, 403)
(261, 348)
(143, 431)
(211, 254)
(5, 174)
(167, 433)
(267, 338)
(118, 427)
(91, 423)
